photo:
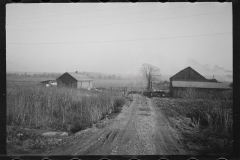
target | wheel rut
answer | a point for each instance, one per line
(139, 129)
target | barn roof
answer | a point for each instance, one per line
(210, 85)
(189, 76)
(80, 76)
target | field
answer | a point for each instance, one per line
(55, 109)
(104, 83)
(28, 79)
(206, 124)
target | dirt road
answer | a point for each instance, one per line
(140, 129)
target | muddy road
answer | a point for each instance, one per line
(140, 129)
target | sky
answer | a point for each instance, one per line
(117, 38)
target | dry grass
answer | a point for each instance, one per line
(206, 122)
(147, 109)
(40, 107)
(59, 109)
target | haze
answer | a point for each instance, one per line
(118, 38)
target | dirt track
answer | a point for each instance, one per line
(139, 129)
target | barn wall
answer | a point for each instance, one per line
(74, 84)
(84, 84)
(60, 83)
(66, 80)
(91, 84)
(79, 84)
(178, 92)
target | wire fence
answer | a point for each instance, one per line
(108, 88)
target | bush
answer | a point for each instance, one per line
(118, 104)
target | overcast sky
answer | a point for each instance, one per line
(119, 37)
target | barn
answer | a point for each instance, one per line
(75, 80)
(189, 78)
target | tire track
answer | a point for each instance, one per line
(139, 129)
(167, 139)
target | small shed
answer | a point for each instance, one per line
(49, 83)
(75, 80)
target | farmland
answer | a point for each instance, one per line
(28, 79)
(205, 125)
(111, 83)
(56, 109)
(105, 83)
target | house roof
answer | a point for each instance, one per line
(212, 85)
(80, 76)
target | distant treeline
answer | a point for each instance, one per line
(108, 77)
(45, 75)
(56, 75)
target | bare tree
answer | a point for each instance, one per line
(149, 73)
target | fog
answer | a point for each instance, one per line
(117, 38)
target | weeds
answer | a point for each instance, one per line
(62, 109)
(118, 103)
(207, 121)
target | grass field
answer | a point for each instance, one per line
(207, 123)
(107, 83)
(34, 106)
(104, 83)
(55, 109)
(28, 79)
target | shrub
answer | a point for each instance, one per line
(118, 104)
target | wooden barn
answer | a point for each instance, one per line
(75, 80)
(189, 78)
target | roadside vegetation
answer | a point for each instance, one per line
(206, 124)
(54, 109)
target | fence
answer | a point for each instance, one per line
(121, 89)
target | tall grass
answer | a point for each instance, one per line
(213, 114)
(207, 120)
(56, 108)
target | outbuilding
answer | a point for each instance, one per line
(189, 78)
(49, 83)
(75, 80)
